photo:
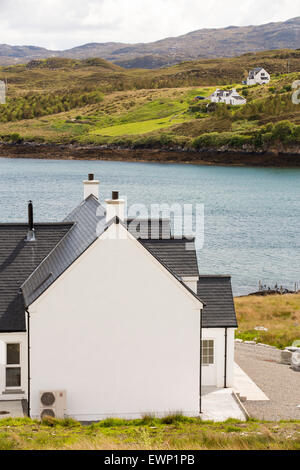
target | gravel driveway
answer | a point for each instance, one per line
(279, 382)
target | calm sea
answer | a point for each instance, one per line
(252, 215)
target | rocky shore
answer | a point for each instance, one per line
(230, 157)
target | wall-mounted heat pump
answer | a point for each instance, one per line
(53, 404)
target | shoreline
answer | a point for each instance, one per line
(220, 157)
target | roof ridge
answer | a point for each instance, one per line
(36, 224)
(214, 276)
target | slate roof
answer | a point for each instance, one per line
(17, 261)
(179, 255)
(254, 72)
(30, 268)
(88, 222)
(149, 228)
(216, 292)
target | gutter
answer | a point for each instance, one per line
(201, 311)
(28, 364)
(225, 358)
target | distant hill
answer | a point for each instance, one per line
(204, 43)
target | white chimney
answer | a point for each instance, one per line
(91, 186)
(115, 207)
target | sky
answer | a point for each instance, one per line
(62, 24)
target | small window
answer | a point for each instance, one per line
(207, 352)
(13, 354)
(13, 377)
(13, 369)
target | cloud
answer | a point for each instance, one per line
(60, 24)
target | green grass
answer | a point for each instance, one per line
(172, 432)
(136, 128)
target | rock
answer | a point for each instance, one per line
(292, 349)
(286, 357)
(296, 361)
(261, 328)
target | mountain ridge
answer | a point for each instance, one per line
(211, 43)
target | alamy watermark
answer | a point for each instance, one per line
(2, 92)
(296, 94)
(161, 222)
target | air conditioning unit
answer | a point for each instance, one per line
(53, 404)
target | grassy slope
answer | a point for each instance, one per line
(176, 433)
(280, 314)
(155, 107)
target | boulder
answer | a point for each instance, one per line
(296, 361)
(286, 357)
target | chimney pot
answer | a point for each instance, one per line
(115, 207)
(91, 187)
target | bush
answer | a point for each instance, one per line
(282, 131)
(16, 138)
(207, 140)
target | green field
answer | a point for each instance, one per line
(136, 128)
(170, 433)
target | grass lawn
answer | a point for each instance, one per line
(280, 314)
(135, 128)
(173, 432)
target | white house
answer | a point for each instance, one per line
(258, 76)
(228, 97)
(2, 92)
(100, 319)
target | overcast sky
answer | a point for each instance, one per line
(62, 24)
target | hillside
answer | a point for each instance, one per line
(94, 102)
(279, 314)
(204, 43)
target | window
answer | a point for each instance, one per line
(207, 352)
(13, 369)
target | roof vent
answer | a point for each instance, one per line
(31, 232)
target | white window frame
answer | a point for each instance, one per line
(207, 364)
(13, 366)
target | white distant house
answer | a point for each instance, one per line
(100, 318)
(228, 97)
(2, 92)
(258, 76)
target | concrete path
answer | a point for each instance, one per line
(245, 386)
(11, 409)
(219, 405)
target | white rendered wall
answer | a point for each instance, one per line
(119, 333)
(13, 338)
(213, 375)
(192, 283)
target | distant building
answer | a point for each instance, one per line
(2, 92)
(258, 76)
(228, 97)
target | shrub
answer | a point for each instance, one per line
(16, 138)
(207, 140)
(282, 131)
